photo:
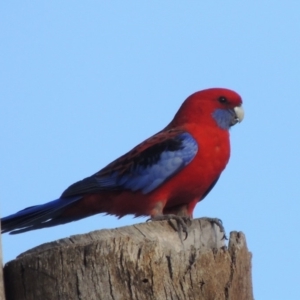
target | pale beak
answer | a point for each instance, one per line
(239, 115)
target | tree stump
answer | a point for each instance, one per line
(138, 262)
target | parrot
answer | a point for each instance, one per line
(162, 178)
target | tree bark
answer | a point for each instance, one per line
(143, 261)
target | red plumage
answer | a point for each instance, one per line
(180, 194)
(168, 174)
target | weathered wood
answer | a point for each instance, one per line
(144, 261)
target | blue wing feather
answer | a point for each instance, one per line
(144, 168)
(147, 177)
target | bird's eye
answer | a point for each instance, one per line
(223, 99)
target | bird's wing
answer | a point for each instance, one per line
(144, 168)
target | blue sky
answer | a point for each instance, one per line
(82, 82)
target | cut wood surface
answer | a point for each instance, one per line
(143, 261)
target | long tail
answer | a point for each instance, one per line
(39, 216)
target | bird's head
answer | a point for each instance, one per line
(213, 106)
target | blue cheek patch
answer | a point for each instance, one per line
(224, 117)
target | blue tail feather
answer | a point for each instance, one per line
(39, 216)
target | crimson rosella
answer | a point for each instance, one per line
(163, 177)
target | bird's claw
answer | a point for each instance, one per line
(219, 223)
(182, 223)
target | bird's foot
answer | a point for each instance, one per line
(219, 223)
(182, 223)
